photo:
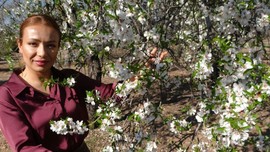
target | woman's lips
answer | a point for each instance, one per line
(41, 62)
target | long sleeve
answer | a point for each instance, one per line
(86, 83)
(14, 126)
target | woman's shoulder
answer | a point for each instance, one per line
(8, 96)
(4, 88)
(6, 92)
(13, 86)
(67, 72)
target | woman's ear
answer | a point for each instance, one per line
(19, 44)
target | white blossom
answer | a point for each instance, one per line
(71, 81)
(90, 100)
(199, 118)
(192, 111)
(151, 146)
(107, 149)
(263, 22)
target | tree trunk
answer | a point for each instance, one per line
(94, 68)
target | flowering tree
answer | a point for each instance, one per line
(221, 43)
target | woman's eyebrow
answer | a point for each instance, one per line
(50, 41)
(33, 39)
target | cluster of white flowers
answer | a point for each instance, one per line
(68, 9)
(110, 113)
(202, 147)
(265, 88)
(124, 89)
(202, 111)
(68, 126)
(235, 121)
(117, 135)
(176, 124)
(236, 98)
(152, 34)
(122, 31)
(91, 97)
(230, 136)
(118, 71)
(229, 13)
(146, 112)
(263, 22)
(204, 67)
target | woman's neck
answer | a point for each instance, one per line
(36, 79)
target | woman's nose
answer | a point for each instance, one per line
(41, 51)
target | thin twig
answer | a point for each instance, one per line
(3, 4)
(193, 136)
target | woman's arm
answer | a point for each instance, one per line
(84, 82)
(14, 126)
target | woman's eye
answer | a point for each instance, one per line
(51, 46)
(32, 44)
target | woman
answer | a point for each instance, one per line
(27, 106)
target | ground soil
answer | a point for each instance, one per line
(172, 107)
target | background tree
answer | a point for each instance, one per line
(221, 44)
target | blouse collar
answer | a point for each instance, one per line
(17, 85)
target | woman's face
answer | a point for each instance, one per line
(39, 46)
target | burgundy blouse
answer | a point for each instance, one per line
(25, 112)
